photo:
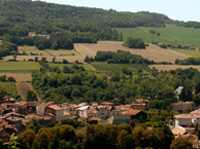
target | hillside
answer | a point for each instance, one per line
(21, 16)
(172, 34)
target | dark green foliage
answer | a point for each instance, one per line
(31, 96)
(7, 48)
(152, 32)
(101, 140)
(73, 123)
(141, 117)
(54, 17)
(5, 79)
(121, 57)
(66, 69)
(189, 61)
(134, 43)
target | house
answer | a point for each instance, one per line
(40, 109)
(94, 120)
(119, 119)
(44, 120)
(136, 114)
(6, 128)
(31, 34)
(104, 111)
(178, 91)
(8, 99)
(31, 106)
(107, 104)
(43, 36)
(14, 122)
(187, 120)
(141, 101)
(55, 111)
(182, 106)
(91, 113)
(189, 46)
(141, 106)
(180, 132)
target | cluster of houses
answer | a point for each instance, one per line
(33, 34)
(186, 125)
(15, 115)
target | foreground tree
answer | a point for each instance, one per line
(181, 143)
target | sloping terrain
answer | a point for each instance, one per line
(152, 52)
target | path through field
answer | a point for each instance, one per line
(23, 87)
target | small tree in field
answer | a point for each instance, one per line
(31, 96)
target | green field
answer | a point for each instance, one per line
(172, 34)
(87, 67)
(192, 53)
(10, 89)
(118, 67)
(19, 67)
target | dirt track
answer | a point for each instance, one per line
(22, 88)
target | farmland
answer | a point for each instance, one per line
(87, 67)
(32, 50)
(152, 52)
(172, 35)
(192, 53)
(118, 67)
(18, 76)
(173, 67)
(17, 67)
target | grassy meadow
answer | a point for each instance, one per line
(118, 67)
(14, 67)
(172, 34)
(191, 53)
(87, 67)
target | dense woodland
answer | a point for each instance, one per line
(189, 61)
(70, 24)
(7, 48)
(20, 17)
(120, 57)
(74, 84)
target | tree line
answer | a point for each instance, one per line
(120, 56)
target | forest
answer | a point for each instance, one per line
(7, 48)
(74, 84)
(70, 24)
(120, 57)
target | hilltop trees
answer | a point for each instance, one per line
(134, 43)
(121, 57)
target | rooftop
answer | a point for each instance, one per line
(55, 107)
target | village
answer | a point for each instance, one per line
(15, 115)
